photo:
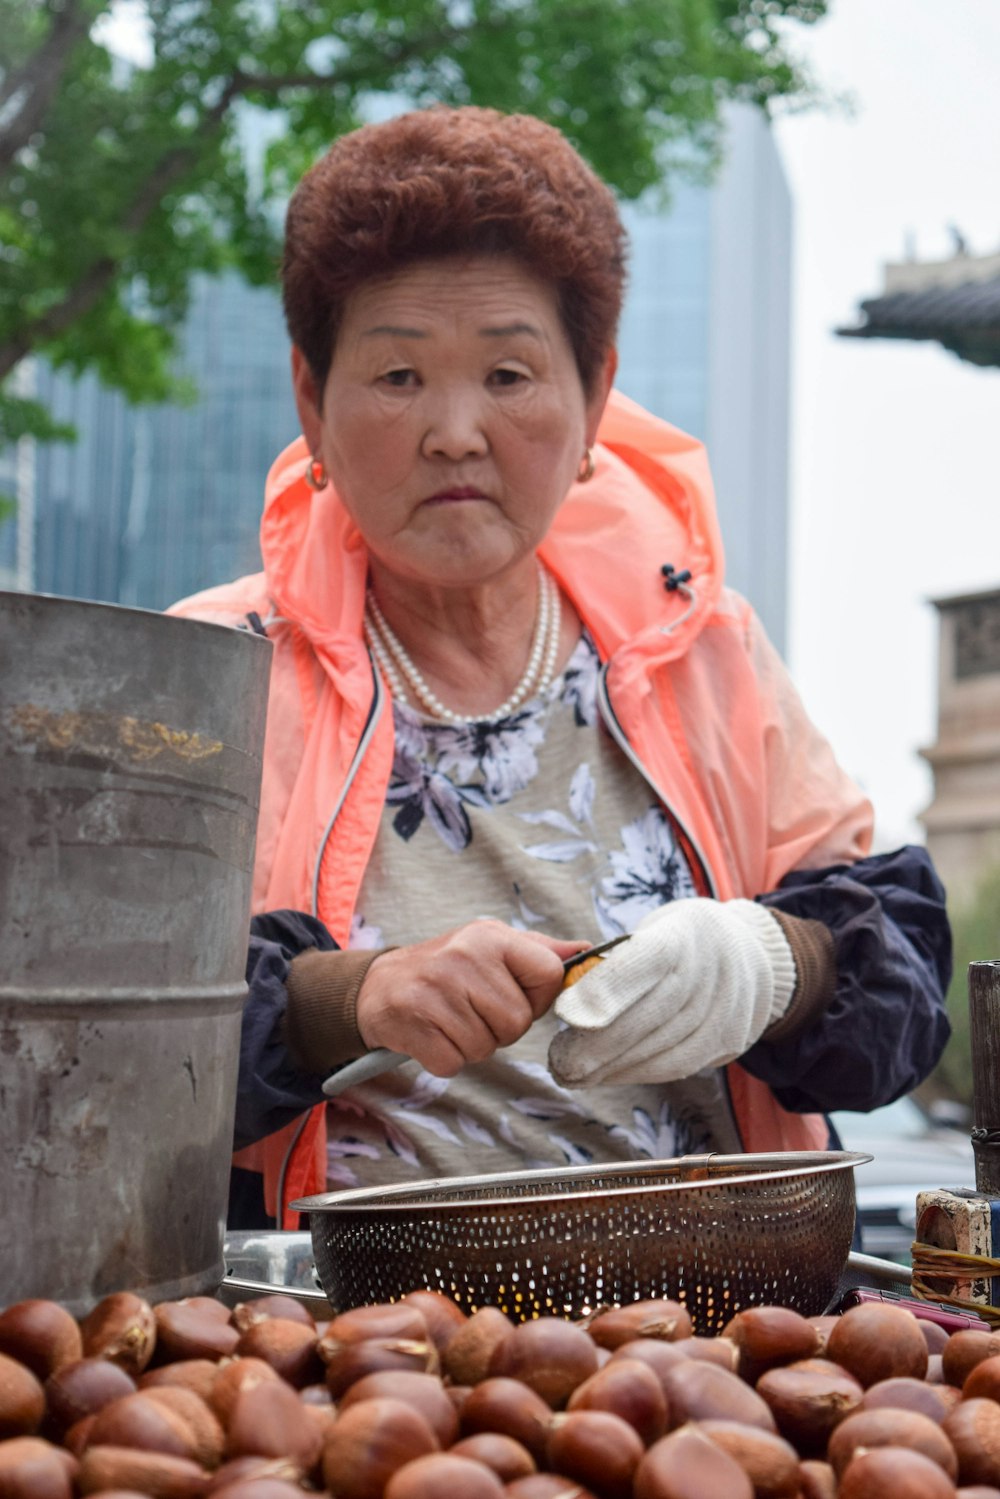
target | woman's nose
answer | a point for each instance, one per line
(455, 429)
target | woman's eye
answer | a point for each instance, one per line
(507, 376)
(399, 379)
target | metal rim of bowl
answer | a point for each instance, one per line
(742, 1169)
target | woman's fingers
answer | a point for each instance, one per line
(459, 997)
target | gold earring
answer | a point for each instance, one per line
(316, 475)
(586, 469)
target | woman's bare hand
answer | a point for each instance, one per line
(457, 998)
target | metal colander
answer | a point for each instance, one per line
(716, 1232)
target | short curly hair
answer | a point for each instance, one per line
(452, 181)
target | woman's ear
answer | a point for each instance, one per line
(308, 401)
(602, 389)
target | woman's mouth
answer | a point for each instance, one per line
(456, 492)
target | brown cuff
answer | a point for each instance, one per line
(320, 1028)
(816, 974)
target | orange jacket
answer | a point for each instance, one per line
(692, 690)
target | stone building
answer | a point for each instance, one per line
(963, 819)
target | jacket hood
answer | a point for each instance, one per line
(649, 504)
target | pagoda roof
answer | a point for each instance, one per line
(955, 303)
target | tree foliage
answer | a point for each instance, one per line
(118, 182)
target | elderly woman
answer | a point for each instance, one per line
(508, 683)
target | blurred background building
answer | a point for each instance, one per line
(154, 503)
(963, 819)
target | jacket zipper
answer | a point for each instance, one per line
(618, 734)
(374, 714)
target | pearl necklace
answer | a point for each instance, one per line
(390, 653)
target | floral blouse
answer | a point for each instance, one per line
(540, 821)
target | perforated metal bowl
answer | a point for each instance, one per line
(716, 1232)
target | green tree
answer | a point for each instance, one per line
(117, 183)
(976, 931)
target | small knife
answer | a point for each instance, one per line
(373, 1063)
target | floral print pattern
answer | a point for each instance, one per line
(446, 781)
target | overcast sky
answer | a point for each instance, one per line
(895, 473)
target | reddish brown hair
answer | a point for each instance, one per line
(444, 181)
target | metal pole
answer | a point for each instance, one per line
(984, 1024)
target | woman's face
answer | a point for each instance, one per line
(453, 420)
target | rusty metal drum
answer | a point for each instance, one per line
(130, 763)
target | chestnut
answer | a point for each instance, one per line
(507, 1458)
(233, 1376)
(935, 1336)
(353, 1361)
(185, 1330)
(122, 1329)
(868, 1429)
(155, 1474)
(656, 1356)
(367, 1444)
(31, 1468)
(466, 1356)
(546, 1486)
(630, 1389)
(596, 1448)
(289, 1347)
(697, 1391)
(612, 1326)
(206, 1430)
(807, 1400)
(904, 1393)
(440, 1473)
(82, 1389)
(771, 1463)
(41, 1335)
(509, 1407)
(423, 1391)
(22, 1399)
(894, 1471)
(269, 1420)
(260, 1488)
(263, 1308)
(964, 1350)
(549, 1355)
(443, 1316)
(396, 1319)
(984, 1380)
(719, 1350)
(194, 1374)
(688, 1465)
(973, 1428)
(817, 1480)
(141, 1422)
(768, 1336)
(250, 1469)
(876, 1340)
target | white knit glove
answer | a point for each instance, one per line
(694, 986)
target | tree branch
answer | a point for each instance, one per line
(37, 79)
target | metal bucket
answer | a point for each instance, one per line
(130, 763)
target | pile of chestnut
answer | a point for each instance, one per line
(416, 1400)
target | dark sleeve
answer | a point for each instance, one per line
(271, 1090)
(886, 1025)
